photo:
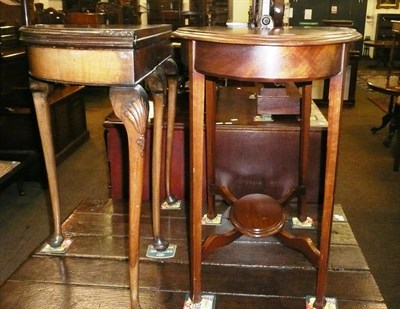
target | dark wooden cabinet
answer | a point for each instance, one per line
(156, 8)
(354, 10)
(383, 32)
(384, 26)
(320, 11)
(218, 10)
(200, 12)
(68, 120)
(18, 124)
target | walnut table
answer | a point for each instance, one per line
(280, 55)
(116, 56)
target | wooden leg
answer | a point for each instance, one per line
(393, 125)
(304, 147)
(211, 95)
(157, 85)
(216, 241)
(130, 105)
(387, 117)
(224, 192)
(396, 116)
(40, 91)
(300, 243)
(171, 70)
(197, 89)
(335, 106)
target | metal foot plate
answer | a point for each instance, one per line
(57, 250)
(307, 224)
(167, 254)
(216, 221)
(174, 206)
(207, 302)
(331, 303)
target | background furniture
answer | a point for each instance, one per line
(382, 50)
(200, 12)
(384, 26)
(18, 123)
(354, 10)
(243, 171)
(390, 85)
(14, 165)
(384, 33)
(10, 13)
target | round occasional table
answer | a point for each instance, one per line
(293, 54)
(389, 85)
(118, 56)
(383, 48)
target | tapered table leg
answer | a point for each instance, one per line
(197, 90)
(304, 149)
(336, 87)
(130, 105)
(40, 91)
(156, 83)
(211, 106)
(171, 71)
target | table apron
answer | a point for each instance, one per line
(91, 66)
(268, 63)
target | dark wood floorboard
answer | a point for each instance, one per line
(56, 296)
(250, 273)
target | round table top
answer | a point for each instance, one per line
(386, 85)
(104, 36)
(379, 43)
(98, 55)
(286, 36)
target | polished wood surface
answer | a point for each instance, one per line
(386, 85)
(116, 56)
(94, 271)
(112, 47)
(292, 56)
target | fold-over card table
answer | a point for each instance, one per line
(117, 56)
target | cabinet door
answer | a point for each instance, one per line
(354, 10)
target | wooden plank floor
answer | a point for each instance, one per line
(250, 273)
